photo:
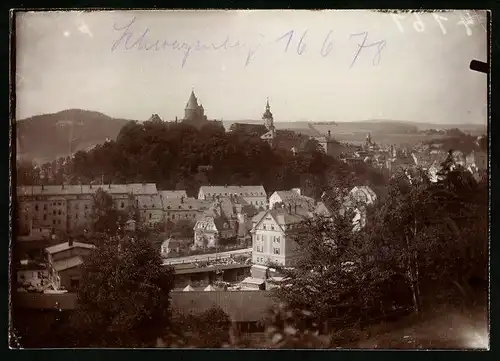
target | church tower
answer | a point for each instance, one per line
(267, 117)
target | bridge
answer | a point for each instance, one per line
(207, 257)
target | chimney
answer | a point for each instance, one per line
(329, 134)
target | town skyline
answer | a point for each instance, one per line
(58, 53)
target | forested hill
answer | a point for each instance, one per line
(46, 137)
(179, 156)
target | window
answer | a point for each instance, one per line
(26, 217)
(86, 206)
(150, 215)
(260, 249)
(53, 221)
(277, 239)
(122, 205)
(44, 217)
(59, 221)
(44, 207)
(276, 251)
(36, 207)
(58, 203)
(59, 212)
(54, 212)
(272, 227)
(76, 216)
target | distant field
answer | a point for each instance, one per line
(383, 132)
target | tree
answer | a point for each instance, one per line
(26, 173)
(124, 297)
(432, 234)
(104, 216)
(334, 277)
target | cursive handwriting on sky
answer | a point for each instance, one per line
(131, 36)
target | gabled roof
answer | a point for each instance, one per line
(281, 217)
(64, 264)
(204, 224)
(65, 246)
(243, 191)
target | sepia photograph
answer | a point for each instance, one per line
(249, 179)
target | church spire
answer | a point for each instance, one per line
(267, 117)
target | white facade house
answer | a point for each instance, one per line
(272, 237)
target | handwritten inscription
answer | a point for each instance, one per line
(291, 42)
(466, 20)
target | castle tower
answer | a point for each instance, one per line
(267, 117)
(194, 114)
(192, 110)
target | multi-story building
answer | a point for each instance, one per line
(253, 195)
(180, 209)
(65, 260)
(272, 236)
(150, 209)
(67, 208)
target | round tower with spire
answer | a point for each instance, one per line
(194, 114)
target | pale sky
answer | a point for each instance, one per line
(80, 60)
